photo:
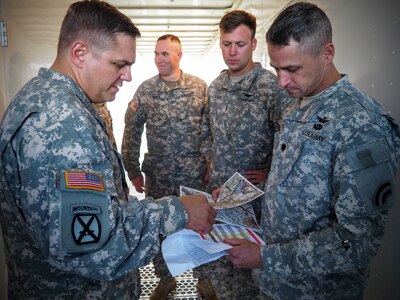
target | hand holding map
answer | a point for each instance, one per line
(233, 205)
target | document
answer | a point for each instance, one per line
(187, 249)
(232, 204)
(236, 191)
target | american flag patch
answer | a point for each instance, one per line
(134, 105)
(83, 180)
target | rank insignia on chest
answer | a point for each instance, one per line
(317, 126)
(83, 180)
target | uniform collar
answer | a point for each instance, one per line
(224, 81)
(303, 114)
(181, 84)
(65, 81)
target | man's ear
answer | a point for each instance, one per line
(254, 43)
(78, 53)
(329, 52)
(180, 55)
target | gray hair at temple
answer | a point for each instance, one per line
(304, 23)
(95, 22)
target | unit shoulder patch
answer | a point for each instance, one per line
(86, 226)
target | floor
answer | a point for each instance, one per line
(186, 283)
(185, 289)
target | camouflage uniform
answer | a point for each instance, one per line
(327, 196)
(243, 119)
(102, 110)
(69, 236)
(178, 138)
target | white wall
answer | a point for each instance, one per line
(367, 38)
(366, 35)
(24, 56)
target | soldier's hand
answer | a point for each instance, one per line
(244, 254)
(138, 183)
(201, 213)
(215, 194)
(206, 177)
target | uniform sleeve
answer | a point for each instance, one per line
(134, 123)
(70, 201)
(361, 196)
(205, 128)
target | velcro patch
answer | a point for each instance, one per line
(134, 105)
(83, 180)
(366, 158)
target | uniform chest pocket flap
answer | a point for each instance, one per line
(156, 122)
(302, 159)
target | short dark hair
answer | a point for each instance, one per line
(171, 37)
(303, 22)
(96, 22)
(235, 18)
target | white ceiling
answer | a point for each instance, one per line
(195, 22)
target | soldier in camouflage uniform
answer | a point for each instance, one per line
(329, 189)
(70, 229)
(174, 107)
(103, 111)
(246, 105)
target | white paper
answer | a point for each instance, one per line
(187, 249)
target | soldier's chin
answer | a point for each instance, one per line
(111, 97)
(295, 93)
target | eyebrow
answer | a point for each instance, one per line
(124, 61)
(233, 42)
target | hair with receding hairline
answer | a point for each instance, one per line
(304, 23)
(173, 39)
(170, 37)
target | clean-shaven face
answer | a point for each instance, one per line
(167, 56)
(107, 70)
(299, 72)
(237, 50)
